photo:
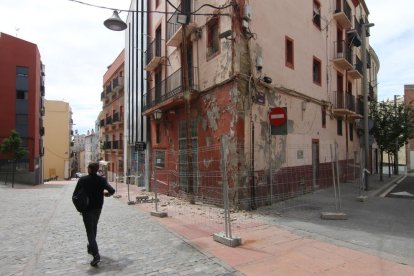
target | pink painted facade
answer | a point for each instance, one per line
(210, 80)
(112, 118)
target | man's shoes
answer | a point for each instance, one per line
(96, 260)
(89, 249)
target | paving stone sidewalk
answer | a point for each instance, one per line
(41, 234)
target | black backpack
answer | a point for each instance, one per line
(80, 199)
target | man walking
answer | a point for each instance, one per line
(94, 186)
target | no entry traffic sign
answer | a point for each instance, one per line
(277, 116)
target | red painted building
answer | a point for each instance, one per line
(22, 104)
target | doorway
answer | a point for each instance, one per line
(315, 163)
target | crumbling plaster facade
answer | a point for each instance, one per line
(224, 104)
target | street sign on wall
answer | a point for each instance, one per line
(277, 116)
(140, 146)
(278, 121)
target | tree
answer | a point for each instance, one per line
(13, 149)
(393, 127)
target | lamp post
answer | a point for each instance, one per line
(157, 117)
(365, 26)
(396, 167)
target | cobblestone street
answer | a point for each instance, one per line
(42, 234)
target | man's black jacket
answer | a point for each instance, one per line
(94, 186)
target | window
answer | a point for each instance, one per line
(317, 71)
(339, 126)
(212, 37)
(21, 95)
(323, 117)
(160, 159)
(351, 132)
(316, 18)
(289, 57)
(22, 72)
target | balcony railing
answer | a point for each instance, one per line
(107, 145)
(102, 123)
(360, 107)
(173, 26)
(343, 14)
(356, 71)
(115, 145)
(169, 88)
(343, 102)
(357, 26)
(115, 117)
(368, 59)
(342, 55)
(371, 92)
(117, 83)
(154, 53)
(108, 88)
(102, 95)
(108, 120)
(174, 29)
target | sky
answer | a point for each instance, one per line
(76, 48)
(74, 45)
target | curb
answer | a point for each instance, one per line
(386, 186)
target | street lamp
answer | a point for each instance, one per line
(115, 23)
(365, 26)
(157, 116)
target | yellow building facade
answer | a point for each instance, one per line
(57, 139)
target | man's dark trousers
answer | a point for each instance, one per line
(90, 219)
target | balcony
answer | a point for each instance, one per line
(107, 145)
(343, 14)
(108, 120)
(170, 91)
(371, 92)
(174, 30)
(342, 55)
(117, 118)
(356, 71)
(117, 84)
(108, 89)
(115, 145)
(102, 123)
(154, 54)
(343, 103)
(368, 55)
(357, 26)
(360, 107)
(102, 95)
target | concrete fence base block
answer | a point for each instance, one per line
(333, 216)
(131, 202)
(221, 238)
(159, 214)
(362, 198)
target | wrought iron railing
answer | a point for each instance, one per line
(169, 87)
(343, 100)
(155, 49)
(343, 6)
(172, 25)
(342, 50)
